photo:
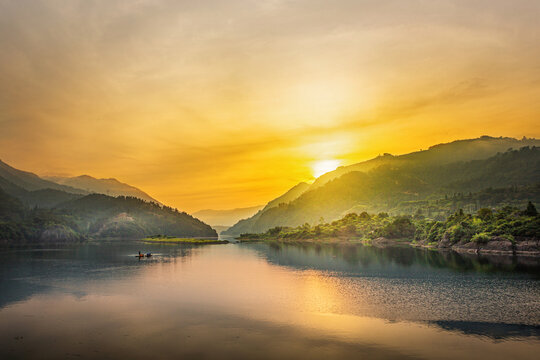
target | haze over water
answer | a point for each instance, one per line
(266, 301)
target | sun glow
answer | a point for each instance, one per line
(323, 166)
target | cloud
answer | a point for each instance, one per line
(232, 100)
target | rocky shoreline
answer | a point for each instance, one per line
(497, 246)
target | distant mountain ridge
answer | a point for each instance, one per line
(30, 181)
(33, 209)
(245, 225)
(380, 184)
(81, 185)
(227, 217)
(111, 187)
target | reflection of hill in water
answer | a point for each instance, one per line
(17, 290)
(392, 261)
(27, 272)
(492, 330)
(493, 296)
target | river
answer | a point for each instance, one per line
(265, 301)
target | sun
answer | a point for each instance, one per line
(323, 166)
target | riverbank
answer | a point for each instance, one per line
(379, 242)
(494, 247)
(505, 231)
(173, 240)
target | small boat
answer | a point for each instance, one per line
(141, 255)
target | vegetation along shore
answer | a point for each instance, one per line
(508, 230)
(176, 240)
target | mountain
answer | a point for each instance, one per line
(33, 209)
(30, 181)
(11, 209)
(219, 228)
(111, 187)
(226, 217)
(82, 185)
(99, 216)
(292, 194)
(19, 224)
(94, 216)
(42, 198)
(459, 150)
(33, 190)
(388, 183)
(246, 225)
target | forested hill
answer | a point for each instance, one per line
(94, 216)
(393, 188)
(38, 210)
(440, 154)
(104, 216)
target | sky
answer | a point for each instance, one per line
(226, 104)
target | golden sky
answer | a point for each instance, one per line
(223, 104)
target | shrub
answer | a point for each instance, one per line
(507, 237)
(485, 214)
(459, 232)
(481, 238)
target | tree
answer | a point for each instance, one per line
(364, 216)
(485, 214)
(531, 210)
(350, 229)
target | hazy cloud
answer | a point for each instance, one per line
(227, 102)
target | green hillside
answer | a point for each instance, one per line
(395, 182)
(42, 198)
(246, 225)
(98, 215)
(94, 216)
(36, 210)
(459, 150)
(508, 229)
(20, 224)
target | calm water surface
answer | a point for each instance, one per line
(265, 301)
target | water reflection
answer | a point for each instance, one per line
(261, 301)
(358, 258)
(37, 270)
(497, 331)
